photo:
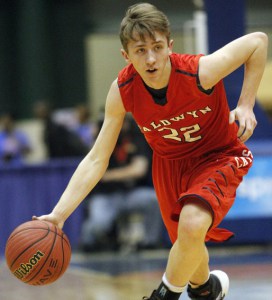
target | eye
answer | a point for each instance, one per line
(158, 47)
(140, 50)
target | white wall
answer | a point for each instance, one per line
(103, 62)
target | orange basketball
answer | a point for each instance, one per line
(38, 252)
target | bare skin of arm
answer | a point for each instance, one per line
(250, 50)
(93, 166)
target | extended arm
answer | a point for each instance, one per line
(93, 166)
(250, 50)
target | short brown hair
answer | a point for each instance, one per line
(143, 19)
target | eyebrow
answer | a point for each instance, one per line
(143, 43)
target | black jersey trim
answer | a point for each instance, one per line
(126, 82)
(158, 95)
(207, 92)
(186, 73)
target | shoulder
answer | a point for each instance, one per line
(187, 65)
(128, 85)
(126, 75)
(114, 101)
(186, 62)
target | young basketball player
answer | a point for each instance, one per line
(199, 158)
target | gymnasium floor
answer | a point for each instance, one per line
(120, 276)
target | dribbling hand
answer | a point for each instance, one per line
(50, 218)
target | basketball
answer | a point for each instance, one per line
(38, 252)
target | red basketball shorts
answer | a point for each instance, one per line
(211, 179)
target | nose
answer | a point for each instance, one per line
(150, 57)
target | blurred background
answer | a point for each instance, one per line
(57, 61)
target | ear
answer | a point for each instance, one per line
(170, 46)
(125, 55)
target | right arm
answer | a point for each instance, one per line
(93, 166)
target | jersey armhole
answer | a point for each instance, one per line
(207, 92)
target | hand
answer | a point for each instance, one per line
(50, 218)
(246, 119)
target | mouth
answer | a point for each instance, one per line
(151, 70)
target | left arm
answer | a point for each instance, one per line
(250, 50)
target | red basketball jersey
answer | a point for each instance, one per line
(191, 123)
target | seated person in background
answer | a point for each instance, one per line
(84, 127)
(125, 191)
(60, 142)
(14, 143)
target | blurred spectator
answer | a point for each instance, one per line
(60, 141)
(86, 129)
(14, 143)
(122, 211)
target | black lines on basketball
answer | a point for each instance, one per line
(31, 245)
(48, 256)
(38, 252)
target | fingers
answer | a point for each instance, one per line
(34, 218)
(242, 128)
(246, 130)
(39, 218)
(247, 123)
(49, 218)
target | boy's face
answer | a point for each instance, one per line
(150, 58)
